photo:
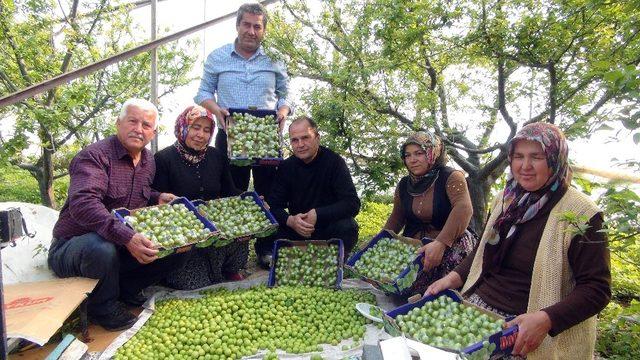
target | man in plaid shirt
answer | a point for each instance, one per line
(89, 241)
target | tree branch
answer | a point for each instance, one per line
(433, 76)
(56, 177)
(308, 24)
(21, 66)
(7, 82)
(584, 83)
(67, 56)
(502, 99)
(553, 87)
(472, 150)
(30, 168)
(96, 109)
(494, 164)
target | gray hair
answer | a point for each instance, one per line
(255, 9)
(142, 104)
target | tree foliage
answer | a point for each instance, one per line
(42, 39)
(619, 331)
(471, 71)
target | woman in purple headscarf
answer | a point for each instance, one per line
(534, 263)
(193, 169)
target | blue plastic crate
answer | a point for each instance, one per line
(280, 243)
(246, 161)
(120, 214)
(503, 340)
(401, 284)
(266, 231)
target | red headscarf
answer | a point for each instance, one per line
(183, 123)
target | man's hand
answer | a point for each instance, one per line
(142, 249)
(282, 114)
(217, 111)
(166, 198)
(532, 329)
(451, 281)
(310, 217)
(433, 252)
(221, 115)
(299, 225)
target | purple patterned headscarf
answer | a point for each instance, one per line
(522, 205)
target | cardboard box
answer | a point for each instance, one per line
(121, 213)
(282, 243)
(401, 284)
(35, 311)
(240, 160)
(503, 340)
(263, 232)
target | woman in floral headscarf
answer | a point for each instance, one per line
(193, 169)
(432, 201)
(535, 259)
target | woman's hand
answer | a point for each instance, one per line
(166, 198)
(451, 281)
(264, 202)
(433, 252)
(532, 329)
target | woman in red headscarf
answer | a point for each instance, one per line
(193, 169)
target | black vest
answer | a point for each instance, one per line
(441, 205)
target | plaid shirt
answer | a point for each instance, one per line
(103, 178)
(235, 82)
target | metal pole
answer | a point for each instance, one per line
(3, 323)
(154, 69)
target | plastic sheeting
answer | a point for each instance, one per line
(27, 261)
(372, 335)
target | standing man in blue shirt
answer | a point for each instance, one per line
(241, 75)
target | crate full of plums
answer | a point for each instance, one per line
(390, 262)
(238, 218)
(175, 227)
(315, 263)
(450, 323)
(253, 138)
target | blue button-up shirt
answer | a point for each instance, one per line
(235, 82)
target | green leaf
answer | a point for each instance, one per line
(604, 127)
(613, 76)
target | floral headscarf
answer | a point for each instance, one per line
(436, 157)
(522, 205)
(183, 123)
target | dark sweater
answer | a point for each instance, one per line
(507, 289)
(209, 179)
(324, 184)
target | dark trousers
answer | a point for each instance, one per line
(262, 175)
(345, 229)
(120, 275)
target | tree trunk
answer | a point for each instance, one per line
(479, 190)
(45, 179)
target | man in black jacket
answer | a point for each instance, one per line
(316, 188)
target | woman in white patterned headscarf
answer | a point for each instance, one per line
(432, 201)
